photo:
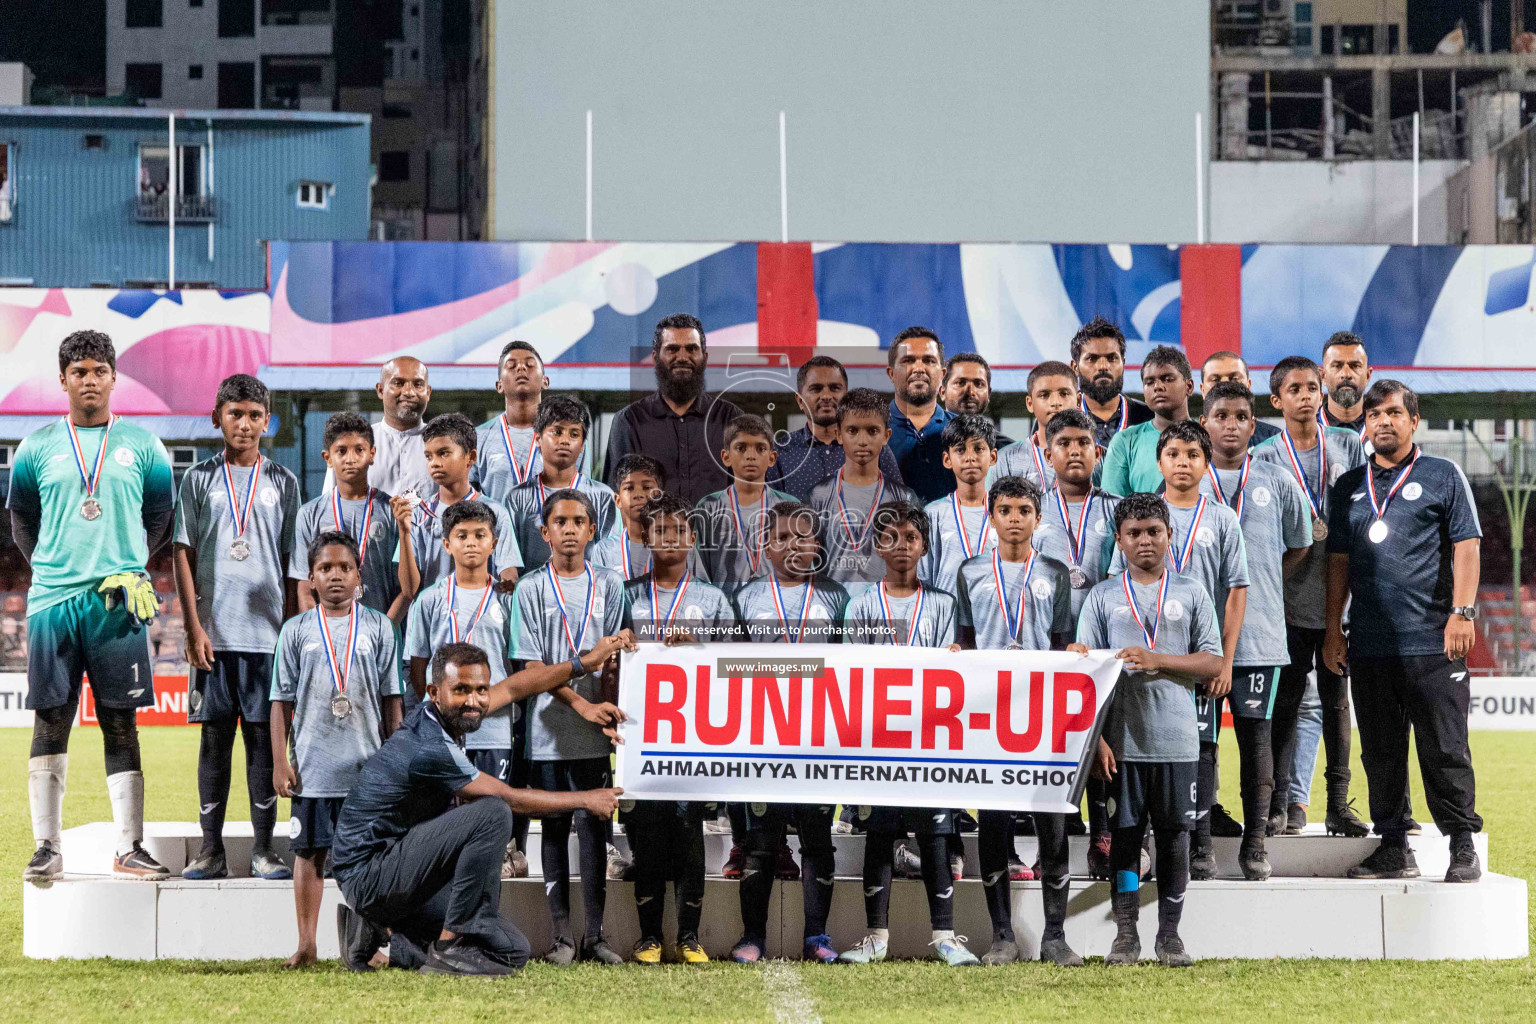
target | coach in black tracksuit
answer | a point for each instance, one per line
(1403, 541)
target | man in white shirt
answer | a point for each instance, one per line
(399, 461)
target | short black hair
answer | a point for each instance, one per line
(567, 494)
(968, 357)
(907, 334)
(1167, 355)
(749, 424)
(1098, 327)
(677, 322)
(1015, 487)
(789, 510)
(343, 423)
(468, 512)
(634, 462)
(892, 514)
(1141, 505)
(663, 505)
(964, 426)
(1225, 354)
(864, 400)
(1049, 368)
(1385, 388)
(560, 408)
(1228, 390)
(1066, 420)
(1188, 430)
(815, 362)
(1343, 339)
(518, 346)
(459, 655)
(87, 345)
(324, 539)
(1285, 367)
(241, 387)
(455, 426)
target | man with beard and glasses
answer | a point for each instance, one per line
(399, 461)
(1346, 375)
(812, 453)
(1098, 357)
(1222, 367)
(915, 365)
(967, 388)
(679, 425)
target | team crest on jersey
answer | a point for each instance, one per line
(1262, 497)
(1041, 589)
(123, 457)
(376, 531)
(1174, 609)
(1205, 536)
(1412, 491)
(269, 496)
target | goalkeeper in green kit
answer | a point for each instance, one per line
(91, 499)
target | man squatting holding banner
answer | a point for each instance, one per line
(987, 652)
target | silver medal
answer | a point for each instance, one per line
(1319, 530)
(240, 549)
(341, 707)
(1078, 577)
(1378, 532)
(1015, 646)
(90, 509)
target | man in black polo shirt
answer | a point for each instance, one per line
(1403, 544)
(678, 425)
(1098, 356)
(967, 388)
(411, 862)
(811, 454)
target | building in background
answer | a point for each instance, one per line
(87, 193)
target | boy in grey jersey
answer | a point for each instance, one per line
(1017, 598)
(352, 507)
(234, 531)
(336, 693)
(1051, 388)
(1277, 534)
(959, 524)
(733, 522)
(1315, 456)
(1162, 625)
(562, 610)
(561, 432)
(903, 611)
(637, 480)
(508, 453)
(846, 501)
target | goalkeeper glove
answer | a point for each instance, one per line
(135, 591)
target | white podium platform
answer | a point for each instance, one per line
(88, 913)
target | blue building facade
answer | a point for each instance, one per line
(84, 192)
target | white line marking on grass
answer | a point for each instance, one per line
(787, 998)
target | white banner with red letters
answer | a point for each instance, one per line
(861, 724)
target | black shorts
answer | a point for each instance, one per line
(239, 685)
(82, 636)
(572, 776)
(1160, 793)
(313, 823)
(642, 813)
(1252, 696)
(815, 817)
(495, 762)
(922, 821)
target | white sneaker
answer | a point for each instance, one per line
(516, 863)
(618, 864)
(907, 864)
(717, 826)
(869, 950)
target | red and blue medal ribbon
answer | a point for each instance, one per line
(677, 601)
(539, 482)
(90, 479)
(1077, 538)
(340, 669)
(1314, 498)
(519, 474)
(1125, 410)
(754, 558)
(365, 519)
(241, 512)
(965, 538)
(917, 614)
(430, 508)
(1150, 635)
(857, 543)
(1181, 555)
(1379, 509)
(1014, 621)
(1242, 486)
(565, 619)
(629, 572)
(454, 636)
(778, 604)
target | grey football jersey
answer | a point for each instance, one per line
(1053, 537)
(951, 542)
(329, 752)
(1023, 458)
(1152, 717)
(381, 577)
(1047, 610)
(429, 628)
(703, 610)
(734, 560)
(631, 559)
(1305, 589)
(239, 601)
(433, 559)
(1218, 560)
(541, 633)
(848, 537)
(1274, 518)
(821, 611)
(526, 503)
(865, 621)
(494, 471)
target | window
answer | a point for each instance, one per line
(314, 195)
(183, 457)
(237, 18)
(194, 3)
(1391, 38)
(144, 14)
(296, 12)
(1302, 13)
(7, 188)
(396, 111)
(297, 83)
(154, 173)
(237, 86)
(395, 165)
(142, 81)
(93, 142)
(195, 72)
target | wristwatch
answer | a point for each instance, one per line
(1468, 612)
(577, 668)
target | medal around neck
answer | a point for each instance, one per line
(90, 510)
(341, 707)
(1319, 530)
(1378, 532)
(239, 549)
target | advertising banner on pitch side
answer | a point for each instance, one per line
(861, 724)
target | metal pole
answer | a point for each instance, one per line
(209, 190)
(1328, 133)
(1199, 180)
(170, 205)
(1415, 177)
(589, 175)
(783, 182)
(1269, 122)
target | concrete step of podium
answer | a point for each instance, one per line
(88, 850)
(245, 919)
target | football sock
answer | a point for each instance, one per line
(1257, 772)
(215, 747)
(933, 853)
(1205, 794)
(592, 835)
(1172, 878)
(125, 790)
(879, 852)
(45, 793)
(258, 782)
(554, 848)
(994, 842)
